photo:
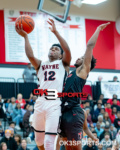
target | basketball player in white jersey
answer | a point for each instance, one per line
(51, 76)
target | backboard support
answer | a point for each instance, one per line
(59, 9)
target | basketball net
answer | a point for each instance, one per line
(78, 3)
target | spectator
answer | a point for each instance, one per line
(94, 133)
(106, 141)
(20, 100)
(89, 118)
(98, 109)
(12, 132)
(113, 115)
(31, 135)
(100, 146)
(11, 106)
(102, 111)
(11, 144)
(115, 101)
(1, 100)
(34, 99)
(100, 78)
(26, 107)
(106, 119)
(30, 100)
(92, 128)
(90, 100)
(3, 146)
(86, 103)
(113, 132)
(118, 139)
(102, 98)
(28, 74)
(103, 133)
(98, 102)
(111, 100)
(115, 79)
(100, 120)
(117, 121)
(7, 104)
(17, 138)
(90, 145)
(2, 114)
(108, 108)
(17, 116)
(23, 145)
(98, 129)
(12, 125)
(26, 121)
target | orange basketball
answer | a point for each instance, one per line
(27, 23)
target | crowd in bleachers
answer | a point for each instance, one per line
(17, 113)
(103, 117)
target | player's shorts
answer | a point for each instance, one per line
(46, 116)
(71, 124)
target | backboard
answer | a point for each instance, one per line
(58, 9)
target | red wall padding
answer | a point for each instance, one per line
(2, 38)
(87, 89)
(2, 41)
(106, 51)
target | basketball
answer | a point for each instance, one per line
(27, 23)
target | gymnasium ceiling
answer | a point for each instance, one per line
(108, 10)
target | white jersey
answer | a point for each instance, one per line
(51, 76)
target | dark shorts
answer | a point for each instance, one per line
(71, 124)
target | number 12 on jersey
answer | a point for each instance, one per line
(49, 76)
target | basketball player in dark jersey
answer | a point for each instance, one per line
(73, 119)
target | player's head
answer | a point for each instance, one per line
(55, 52)
(79, 62)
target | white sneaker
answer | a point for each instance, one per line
(17, 127)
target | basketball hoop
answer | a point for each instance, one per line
(51, 7)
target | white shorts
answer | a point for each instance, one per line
(46, 116)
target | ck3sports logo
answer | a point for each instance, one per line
(50, 94)
(53, 94)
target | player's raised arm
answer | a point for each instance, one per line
(66, 55)
(89, 51)
(28, 49)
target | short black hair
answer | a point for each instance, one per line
(94, 132)
(93, 63)
(26, 106)
(58, 45)
(12, 123)
(114, 99)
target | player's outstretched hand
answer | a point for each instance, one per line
(103, 26)
(53, 27)
(20, 31)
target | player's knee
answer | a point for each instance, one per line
(49, 141)
(39, 141)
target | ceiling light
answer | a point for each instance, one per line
(93, 2)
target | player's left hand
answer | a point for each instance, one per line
(103, 26)
(53, 27)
